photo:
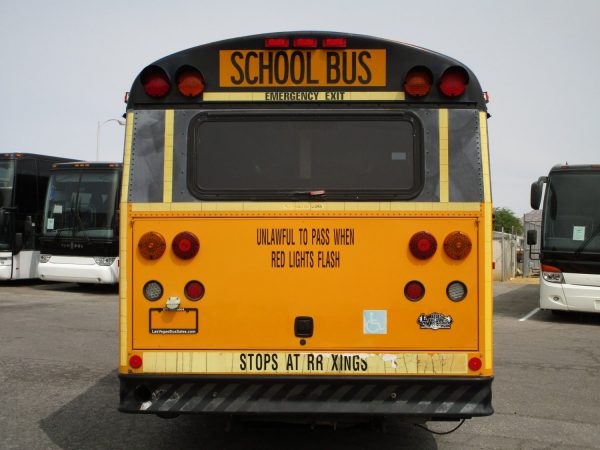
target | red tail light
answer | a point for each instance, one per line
(418, 82)
(454, 82)
(185, 245)
(422, 245)
(414, 291)
(152, 245)
(457, 245)
(194, 290)
(155, 82)
(190, 82)
(135, 361)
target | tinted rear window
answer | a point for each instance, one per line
(268, 156)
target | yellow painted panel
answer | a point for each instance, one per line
(303, 96)
(262, 272)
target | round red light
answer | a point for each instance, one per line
(194, 290)
(414, 291)
(475, 364)
(190, 82)
(422, 245)
(155, 82)
(185, 245)
(135, 361)
(453, 82)
(418, 82)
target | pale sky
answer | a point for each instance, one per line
(65, 66)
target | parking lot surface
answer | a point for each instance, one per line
(58, 384)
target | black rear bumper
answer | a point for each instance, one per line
(429, 398)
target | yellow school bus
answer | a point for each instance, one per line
(305, 231)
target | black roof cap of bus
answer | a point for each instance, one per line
(400, 57)
(19, 155)
(88, 165)
(574, 168)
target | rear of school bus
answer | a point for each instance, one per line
(306, 232)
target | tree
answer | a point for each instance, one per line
(505, 218)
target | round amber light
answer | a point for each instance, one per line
(152, 245)
(457, 245)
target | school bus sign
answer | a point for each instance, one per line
(310, 68)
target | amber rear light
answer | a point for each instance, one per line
(457, 245)
(185, 245)
(418, 82)
(152, 245)
(190, 82)
(422, 245)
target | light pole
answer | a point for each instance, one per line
(100, 125)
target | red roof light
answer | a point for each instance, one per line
(305, 42)
(277, 43)
(334, 43)
(155, 82)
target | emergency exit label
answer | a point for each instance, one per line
(298, 248)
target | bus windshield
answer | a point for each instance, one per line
(7, 172)
(81, 204)
(271, 156)
(572, 213)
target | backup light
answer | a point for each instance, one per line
(153, 290)
(456, 291)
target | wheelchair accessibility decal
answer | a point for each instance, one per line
(375, 322)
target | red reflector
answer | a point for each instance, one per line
(454, 82)
(305, 42)
(334, 43)
(194, 290)
(418, 82)
(185, 245)
(277, 43)
(135, 361)
(155, 82)
(475, 364)
(414, 291)
(190, 82)
(422, 245)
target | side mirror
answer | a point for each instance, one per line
(18, 242)
(536, 192)
(531, 237)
